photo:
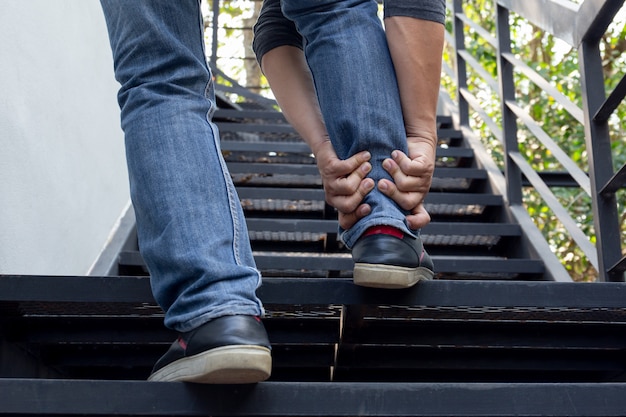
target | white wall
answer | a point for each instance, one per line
(63, 181)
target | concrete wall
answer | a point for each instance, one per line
(63, 181)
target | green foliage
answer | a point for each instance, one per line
(557, 63)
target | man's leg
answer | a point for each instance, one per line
(346, 49)
(347, 52)
(415, 35)
(190, 224)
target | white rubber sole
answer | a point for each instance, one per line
(237, 364)
(389, 276)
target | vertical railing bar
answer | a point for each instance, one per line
(507, 93)
(597, 138)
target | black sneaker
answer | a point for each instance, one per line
(226, 350)
(386, 261)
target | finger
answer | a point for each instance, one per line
(402, 171)
(418, 218)
(420, 166)
(360, 158)
(406, 200)
(347, 220)
(349, 202)
(339, 186)
(351, 183)
(341, 168)
(392, 167)
(406, 177)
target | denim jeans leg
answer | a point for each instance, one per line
(191, 229)
(347, 52)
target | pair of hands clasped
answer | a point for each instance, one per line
(346, 182)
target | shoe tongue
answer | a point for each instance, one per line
(384, 230)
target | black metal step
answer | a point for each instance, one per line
(300, 169)
(433, 228)
(302, 148)
(105, 398)
(331, 330)
(246, 116)
(311, 264)
(307, 203)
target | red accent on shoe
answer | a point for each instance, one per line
(384, 230)
(182, 343)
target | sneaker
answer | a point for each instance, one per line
(226, 350)
(387, 258)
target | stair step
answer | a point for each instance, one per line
(299, 169)
(330, 329)
(74, 397)
(285, 291)
(433, 228)
(250, 115)
(266, 146)
(472, 267)
(318, 194)
(307, 202)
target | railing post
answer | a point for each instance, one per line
(506, 83)
(461, 67)
(598, 140)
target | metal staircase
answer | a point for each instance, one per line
(495, 334)
(501, 331)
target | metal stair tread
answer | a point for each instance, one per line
(302, 148)
(343, 262)
(280, 291)
(300, 169)
(78, 397)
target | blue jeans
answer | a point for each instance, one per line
(347, 52)
(191, 229)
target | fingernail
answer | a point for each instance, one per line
(383, 185)
(394, 154)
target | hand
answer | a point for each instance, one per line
(345, 182)
(412, 178)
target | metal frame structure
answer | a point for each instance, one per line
(494, 335)
(582, 27)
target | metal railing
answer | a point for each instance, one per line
(582, 27)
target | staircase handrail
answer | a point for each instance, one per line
(582, 27)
